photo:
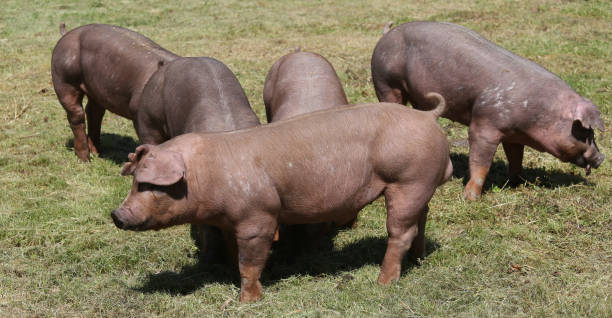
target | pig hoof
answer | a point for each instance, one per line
(470, 195)
(385, 280)
(83, 157)
(247, 297)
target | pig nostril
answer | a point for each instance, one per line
(116, 220)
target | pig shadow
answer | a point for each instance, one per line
(319, 259)
(113, 147)
(498, 175)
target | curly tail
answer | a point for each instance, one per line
(62, 28)
(439, 110)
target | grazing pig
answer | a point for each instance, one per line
(299, 83)
(109, 64)
(320, 167)
(502, 97)
(193, 94)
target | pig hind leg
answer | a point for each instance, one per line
(483, 144)
(389, 94)
(94, 113)
(406, 214)
(514, 153)
(71, 99)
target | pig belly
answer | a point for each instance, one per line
(333, 202)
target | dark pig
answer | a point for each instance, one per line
(320, 167)
(299, 83)
(108, 64)
(194, 94)
(502, 97)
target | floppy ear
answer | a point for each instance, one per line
(160, 167)
(588, 115)
(134, 157)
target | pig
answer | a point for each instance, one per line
(502, 97)
(319, 167)
(108, 64)
(299, 83)
(194, 94)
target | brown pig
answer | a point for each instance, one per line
(108, 64)
(502, 97)
(319, 167)
(299, 83)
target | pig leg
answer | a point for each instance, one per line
(388, 94)
(210, 240)
(231, 246)
(514, 153)
(71, 99)
(483, 144)
(417, 249)
(406, 206)
(253, 250)
(94, 113)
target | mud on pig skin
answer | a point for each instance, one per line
(194, 94)
(319, 167)
(108, 64)
(502, 97)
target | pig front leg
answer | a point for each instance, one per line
(514, 153)
(94, 113)
(483, 144)
(254, 242)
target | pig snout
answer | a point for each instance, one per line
(588, 162)
(126, 220)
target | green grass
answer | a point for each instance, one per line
(541, 249)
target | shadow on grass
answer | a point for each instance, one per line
(113, 147)
(498, 175)
(320, 258)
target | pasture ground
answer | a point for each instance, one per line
(541, 249)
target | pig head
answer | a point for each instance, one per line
(158, 197)
(502, 97)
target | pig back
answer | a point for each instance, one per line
(299, 83)
(111, 62)
(456, 62)
(195, 94)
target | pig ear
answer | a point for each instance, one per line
(160, 167)
(589, 116)
(134, 157)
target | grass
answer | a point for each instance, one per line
(540, 249)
